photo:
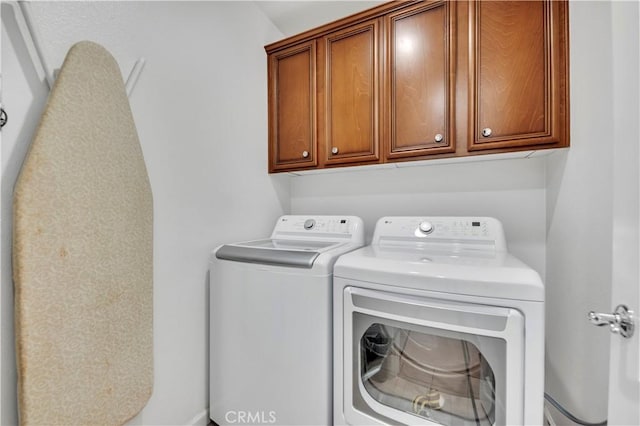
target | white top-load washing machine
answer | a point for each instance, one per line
(270, 322)
(436, 323)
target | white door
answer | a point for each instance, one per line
(624, 371)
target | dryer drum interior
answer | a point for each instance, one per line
(427, 375)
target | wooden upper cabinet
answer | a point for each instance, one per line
(413, 80)
(348, 76)
(419, 85)
(517, 74)
(292, 108)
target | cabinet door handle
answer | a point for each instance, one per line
(486, 132)
(334, 150)
(305, 154)
(439, 138)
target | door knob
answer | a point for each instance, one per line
(334, 150)
(486, 132)
(619, 322)
(439, 138)
(305, 154)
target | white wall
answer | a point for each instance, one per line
(295, 17)
(23, 96)
(200, 109)
(511, 190)
(579, 222)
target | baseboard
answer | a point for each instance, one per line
(201, 419)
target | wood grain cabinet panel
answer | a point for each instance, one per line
(292, 108)
(517, 70)
(348, 114)
(414, 80)
(420, 87)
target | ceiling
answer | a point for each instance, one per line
(293, 17)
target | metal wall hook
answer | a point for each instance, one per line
(3, 117)
(32, 38)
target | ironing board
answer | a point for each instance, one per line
(82, 254)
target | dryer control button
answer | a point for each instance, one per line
(309, 223)
(426, 227)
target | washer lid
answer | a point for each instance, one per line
(473, 273)
(298, 241)
(294, 253)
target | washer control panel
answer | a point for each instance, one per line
(448, 229)
(315, 226)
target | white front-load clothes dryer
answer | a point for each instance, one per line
(270, 322)
(436, 323)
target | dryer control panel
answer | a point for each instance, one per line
(473, 232)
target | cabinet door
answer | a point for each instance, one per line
(517, 74)
(348, 107)
(420, 83)
(292, 108)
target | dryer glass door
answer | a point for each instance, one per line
(428, 375)
(418, 360)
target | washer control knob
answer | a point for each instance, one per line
(426, 227)
(309, 223)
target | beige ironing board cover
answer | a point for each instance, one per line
(82, 253)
